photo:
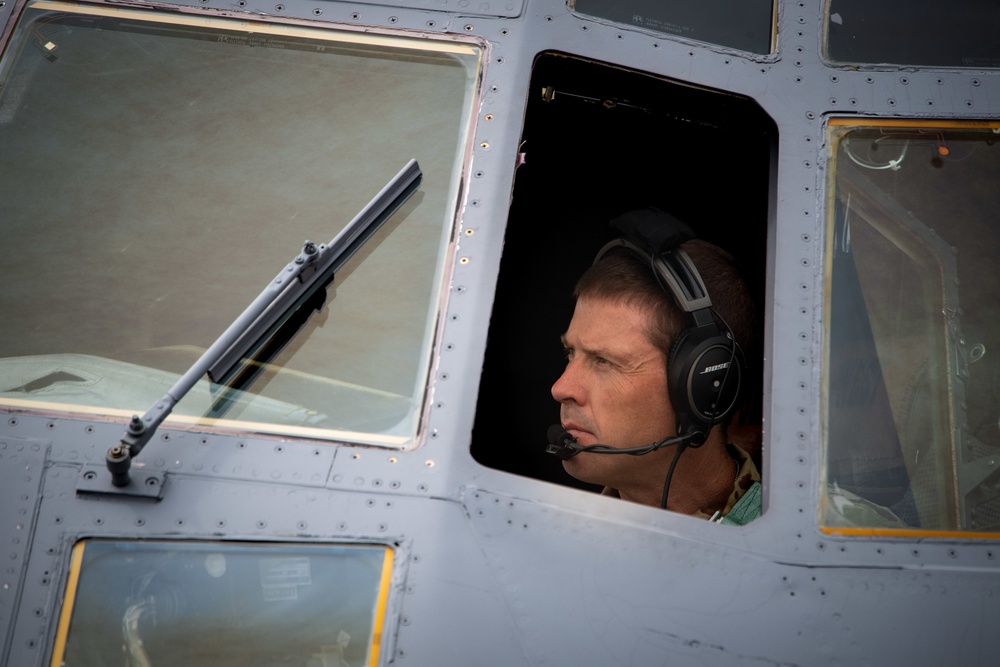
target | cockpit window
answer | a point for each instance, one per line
(914, 32)
(158, 170)
(748, 25)
(217, 603)
(911, 371)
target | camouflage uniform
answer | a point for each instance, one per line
(744, 503)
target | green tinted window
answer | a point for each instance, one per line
(158, 170)
(912, 343)
(220, 604)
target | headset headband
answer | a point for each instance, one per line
(676, 271)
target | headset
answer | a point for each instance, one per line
(705, 366)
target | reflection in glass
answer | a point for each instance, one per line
(962, 33)
(158, 170)
(149, 604)
(747, 25)
(911, 366)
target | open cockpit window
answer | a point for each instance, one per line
(223, 603)
(599, 141)
(157, 170)
(912, 383)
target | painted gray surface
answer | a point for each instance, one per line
(497, 569)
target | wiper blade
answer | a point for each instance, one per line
(296, 285)
(319, 264)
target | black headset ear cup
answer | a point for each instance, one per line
(704, 372)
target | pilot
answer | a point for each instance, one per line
(633, 357)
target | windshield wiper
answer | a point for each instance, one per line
(273, 318)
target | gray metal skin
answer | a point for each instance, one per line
(496, 569)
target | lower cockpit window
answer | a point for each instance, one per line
(912, 382)
(218, 604)
(158, 170)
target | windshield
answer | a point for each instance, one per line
(158, 170)
(912, 381)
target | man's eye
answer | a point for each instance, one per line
(568, 353)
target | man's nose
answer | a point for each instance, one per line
(568, 386)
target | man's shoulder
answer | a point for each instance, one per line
(747, 508)
(745, 502)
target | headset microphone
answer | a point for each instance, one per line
(564, 446)
(561, 444)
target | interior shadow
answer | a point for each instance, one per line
(600, 140)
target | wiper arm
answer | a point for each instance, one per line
(312, 270)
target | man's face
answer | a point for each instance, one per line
(613, 391)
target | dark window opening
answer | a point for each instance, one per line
(600, 140)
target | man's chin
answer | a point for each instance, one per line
(578, 468)
(572, 468)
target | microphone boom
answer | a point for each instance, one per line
(564, 446)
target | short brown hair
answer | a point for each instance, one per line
(622, 277)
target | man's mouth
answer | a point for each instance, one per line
(577, 431)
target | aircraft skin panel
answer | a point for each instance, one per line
(495, 568)
(23, 463)
(705, 603)
(441, 558)
(490, 552)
